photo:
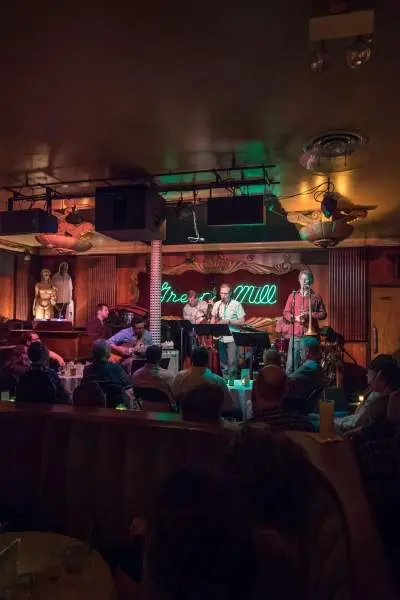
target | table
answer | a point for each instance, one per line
(39, 552)
(241, 396)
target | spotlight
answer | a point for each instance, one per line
(27, 256)
(319, 60)
(329, 204)
(359, 53)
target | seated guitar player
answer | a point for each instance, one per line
(130, 343)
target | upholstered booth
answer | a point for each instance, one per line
(73, 470)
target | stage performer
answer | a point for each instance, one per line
(229, 312)
(98, 328)
(131, 343)
(195, 310)
(296, 313)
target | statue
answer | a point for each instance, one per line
(63, 284)
(45, 297)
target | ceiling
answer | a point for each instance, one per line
(91, 87)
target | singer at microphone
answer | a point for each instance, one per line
(296, 313)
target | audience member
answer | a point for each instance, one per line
(309, 376)
(269, 391)
(40, 384)
(197, 375)
(98, 328)
(203, 403)
(55, 360)
(272, 357)
(383, 378)
(376, 448)
(152, 375)
(108, 374)
(198, 542)
(16, 365)
(277, 483)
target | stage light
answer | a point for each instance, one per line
(329, 204)
(359, 53)
(270, 202)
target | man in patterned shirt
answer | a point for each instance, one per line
(195, 310)
(228, 311)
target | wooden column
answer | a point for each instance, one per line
(7, 281)
(155, 290)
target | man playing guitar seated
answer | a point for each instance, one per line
(131, 343)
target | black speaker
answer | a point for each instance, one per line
(235, 210)
(35, 220)
(130, 213)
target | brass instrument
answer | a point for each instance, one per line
(311, 331)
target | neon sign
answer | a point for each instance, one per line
(246, 293)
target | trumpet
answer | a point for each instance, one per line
(311, 331)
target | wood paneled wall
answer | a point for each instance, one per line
(7, 268)
(95, 282)
(23, 296)
(348, 292)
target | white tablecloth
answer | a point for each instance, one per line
(41, 554)
(241, 396)
(70, 383)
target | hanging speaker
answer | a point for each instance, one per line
(130, 213)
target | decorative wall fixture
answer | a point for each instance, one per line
(217, 264)
(246, 293)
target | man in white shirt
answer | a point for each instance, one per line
(228, 311)
(199, 374)
(195, 310)
(152, 375)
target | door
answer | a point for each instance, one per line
(385, 321)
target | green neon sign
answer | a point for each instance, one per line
(246, 293)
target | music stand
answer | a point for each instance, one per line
(214, 329)
(183, 325)
(254, 339)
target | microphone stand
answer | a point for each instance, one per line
(293, 321)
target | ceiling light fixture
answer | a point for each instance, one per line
(359, 53)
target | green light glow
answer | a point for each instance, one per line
(246, 293)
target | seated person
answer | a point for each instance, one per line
(16, 365)
(101, 371)
(56, 361)
(40, 384)
(131, 343)
(98, 328)
(198, 374)
(197, 543)
(203, 403)
(309, 376)
(376, 447)
(383, 378)
(152, 375)
(269, 391)
(272, 357)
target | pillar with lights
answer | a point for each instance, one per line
(155, 290)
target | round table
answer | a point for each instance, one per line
(41, 555)
(241, 396)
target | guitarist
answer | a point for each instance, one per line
(131, 343)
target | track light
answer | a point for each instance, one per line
(359, 53)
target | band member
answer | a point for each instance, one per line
(98, 328)
(296, 313)
(131, 343)
(229, 312)
(195, 310)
